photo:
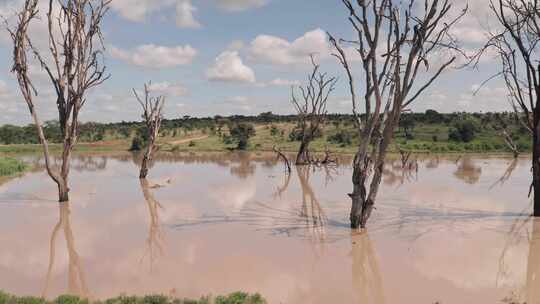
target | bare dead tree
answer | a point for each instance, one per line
(394, 43)
(405, 156)
(516, 46)
(73, 64)
(311, 108)
(283, 157)
(328, 158)
(506, 175)
(502, 128)
(152, 114)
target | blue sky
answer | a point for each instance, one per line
(232, 57)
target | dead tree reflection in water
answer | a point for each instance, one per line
(306, 219)
(507, 174)
(366, 276)
(395, 173)
(529, 293)
(281, 189)
(433, 162)
(533, 265)
(517, 233)
(155, 239)
(311, 210)
(76, 275)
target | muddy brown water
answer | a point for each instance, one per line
(454, 231)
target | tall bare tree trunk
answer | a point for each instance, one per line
(73, 64)
(409, 42)
(536, 163)
(63, 185)
(148, 154)
(358, 196)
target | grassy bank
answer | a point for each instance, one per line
(10, 166)
(234, 298)
(429, 137)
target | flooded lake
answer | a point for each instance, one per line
(454, 231)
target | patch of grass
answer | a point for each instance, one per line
(11, 166)
(233, 298)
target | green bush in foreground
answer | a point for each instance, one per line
(233, 298)
(10, 166)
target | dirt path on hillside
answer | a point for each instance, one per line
(186, 140)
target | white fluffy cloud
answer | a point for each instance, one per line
(184, 15)
(276, 50)
(239, 5)
(284, 82)
(4, 89)
(156, 56)
(229, 67)
(169, 89)
(279, 82)
(139, 10)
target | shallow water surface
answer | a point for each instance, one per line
(454, 231)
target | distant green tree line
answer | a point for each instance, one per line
(453, 127)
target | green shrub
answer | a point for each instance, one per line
(69, 299)
(342, 137)
(297, 134)
(241, 133)
(463, 130)
(136, 144)
(240, 298)
(233, 298)
(274, 131)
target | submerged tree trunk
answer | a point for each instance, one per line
(361, 169)
(147, 156)
(303, 158)
(362, 200)
(144, 167)
(63, 185)
(63, 192)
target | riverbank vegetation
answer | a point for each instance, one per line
(233, 298)
(10, 166)
(418, 132)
